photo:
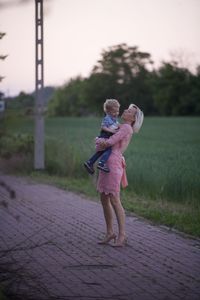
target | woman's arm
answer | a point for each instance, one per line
(123, 131)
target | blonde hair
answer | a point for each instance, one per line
(139, 117)
(109, 104)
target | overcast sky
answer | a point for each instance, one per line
(76, 32)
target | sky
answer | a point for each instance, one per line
(77, 31)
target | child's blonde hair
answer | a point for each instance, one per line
(108, 105)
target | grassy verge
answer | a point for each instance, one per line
(177, 216)
(2, 296)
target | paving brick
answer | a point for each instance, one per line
(50, 236)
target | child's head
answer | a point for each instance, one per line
(111, 107)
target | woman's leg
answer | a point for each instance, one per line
(120, 215)
(108, 215)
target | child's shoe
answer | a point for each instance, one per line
(103, 167)
(89, 167)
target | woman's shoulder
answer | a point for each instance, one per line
(126, 127)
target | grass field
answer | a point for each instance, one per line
(163, 163)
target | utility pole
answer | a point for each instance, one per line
(39, 84)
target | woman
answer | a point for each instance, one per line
(108, 184)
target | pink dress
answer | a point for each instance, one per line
(109, 183)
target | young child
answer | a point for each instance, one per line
(109, 126)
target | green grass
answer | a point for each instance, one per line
(2, 295)
(162, 165)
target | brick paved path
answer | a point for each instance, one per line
(48, 237)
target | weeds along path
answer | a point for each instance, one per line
(49, 250)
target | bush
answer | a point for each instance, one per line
(16, 144)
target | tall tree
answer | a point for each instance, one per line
(2, 57)
(127, 70)
(123, 62)
(125, 73)
(175, 90)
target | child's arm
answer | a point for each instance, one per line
(124, 130)
(109, 129)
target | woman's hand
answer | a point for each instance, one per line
(101, 144)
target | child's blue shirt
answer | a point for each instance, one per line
(109, 121)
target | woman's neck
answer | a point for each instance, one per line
(127, 122)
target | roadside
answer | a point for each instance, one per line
(50, 236)
(182, 217)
